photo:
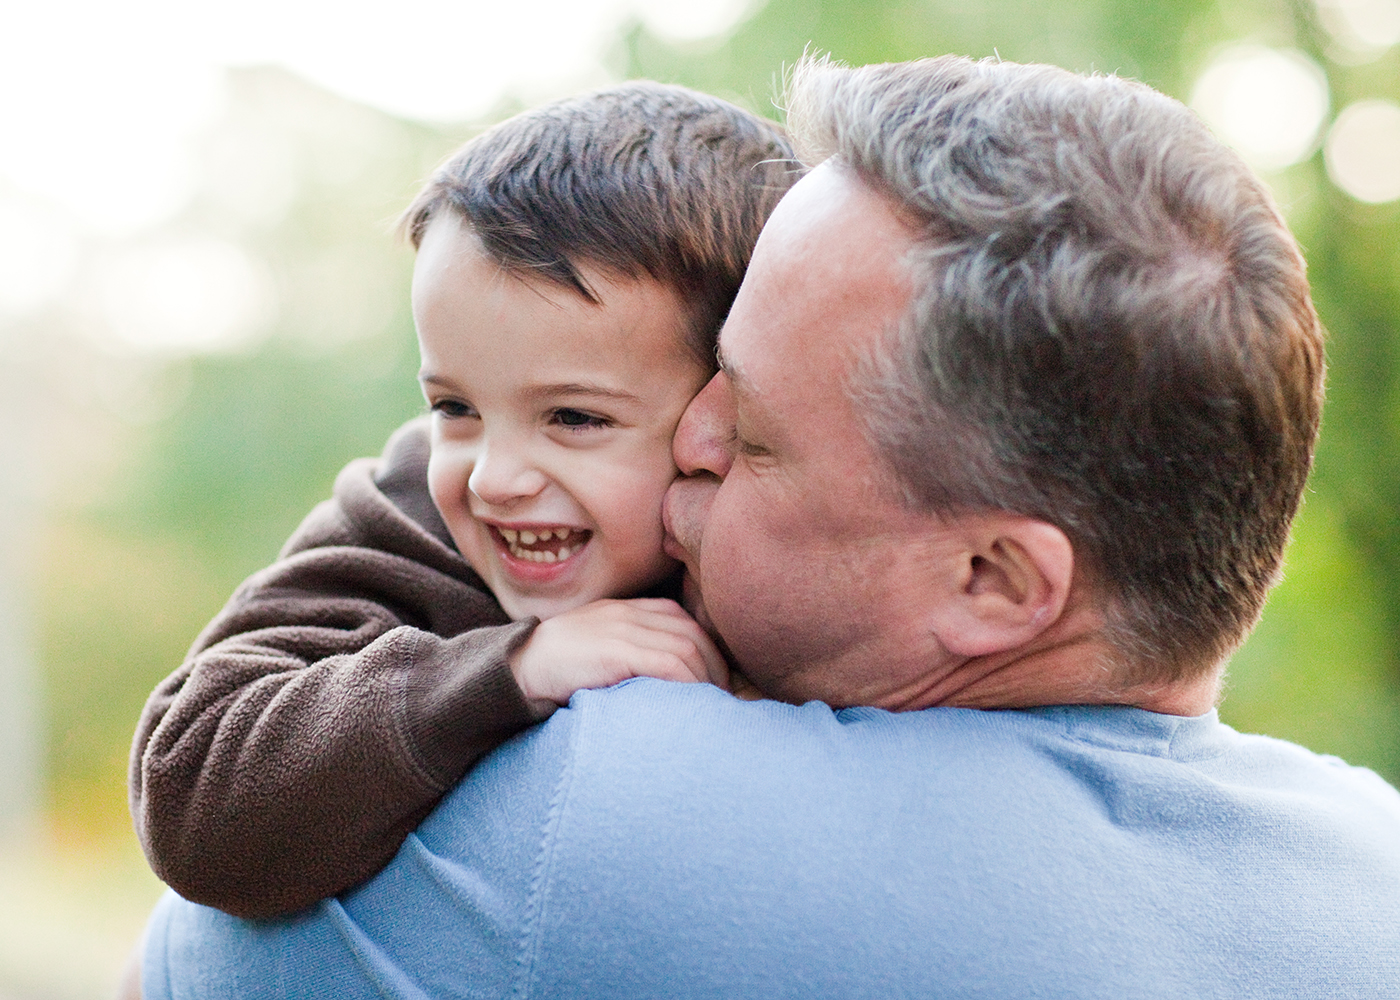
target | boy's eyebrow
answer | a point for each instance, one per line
(588, 389)
(581, 389)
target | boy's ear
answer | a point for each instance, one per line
(1006, 583)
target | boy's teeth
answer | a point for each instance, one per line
(511, 535)
(543, 555)
(517, 540)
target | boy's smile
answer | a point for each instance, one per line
(534, 543)
(552, 422)
(537, 555)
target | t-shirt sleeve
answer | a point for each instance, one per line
(328, 707)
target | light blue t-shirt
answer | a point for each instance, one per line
(666, 840)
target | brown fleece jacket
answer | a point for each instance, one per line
(339, 694)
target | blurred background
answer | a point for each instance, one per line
(203, 315)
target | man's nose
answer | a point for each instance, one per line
(503, 474)
(704, 440)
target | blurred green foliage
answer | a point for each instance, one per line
(208, 493)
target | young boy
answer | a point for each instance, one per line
(575, 263)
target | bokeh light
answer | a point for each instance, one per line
(102, 107)
(1364, 28)
(38, 253)
(683, 22)
(194, 294)
(1363, 151)
(1269, 104)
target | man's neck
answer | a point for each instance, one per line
(1079, 669)
(996, 691)
(1069, 664)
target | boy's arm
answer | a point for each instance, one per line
(322, 714)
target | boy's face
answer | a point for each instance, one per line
(552, 422)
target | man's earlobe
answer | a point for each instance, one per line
(1009, 582)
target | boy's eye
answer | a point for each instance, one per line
(454, 408)
(567, 417)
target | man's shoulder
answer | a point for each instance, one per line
(691, 721)
(859, 842)
(1027, 783)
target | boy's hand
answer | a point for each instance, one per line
(605, 642)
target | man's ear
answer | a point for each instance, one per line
(1005, 584)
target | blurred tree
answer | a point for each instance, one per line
(200, 483)
(1329, 645)
(1156, 43)
(242, 443)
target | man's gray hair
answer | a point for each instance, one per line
(1111, 331)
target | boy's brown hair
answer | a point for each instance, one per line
(640, 179)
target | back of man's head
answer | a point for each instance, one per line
(641, 179)
(1111, 331)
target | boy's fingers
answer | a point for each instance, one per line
(712, 666)
(659, 604)
(716, 666)
(687, 641)
(651, 637)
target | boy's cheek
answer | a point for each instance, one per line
(447, 486)
(437, 477)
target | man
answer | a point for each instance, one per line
(1018, 400)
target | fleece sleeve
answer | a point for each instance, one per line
(328, 707)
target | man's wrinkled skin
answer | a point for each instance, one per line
(799, 552)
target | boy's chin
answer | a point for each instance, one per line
(518, 606)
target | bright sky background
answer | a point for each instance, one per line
(97, 98)
(99, 101)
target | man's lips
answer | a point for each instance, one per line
(672, 506)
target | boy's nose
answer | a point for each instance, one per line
(502, 476)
